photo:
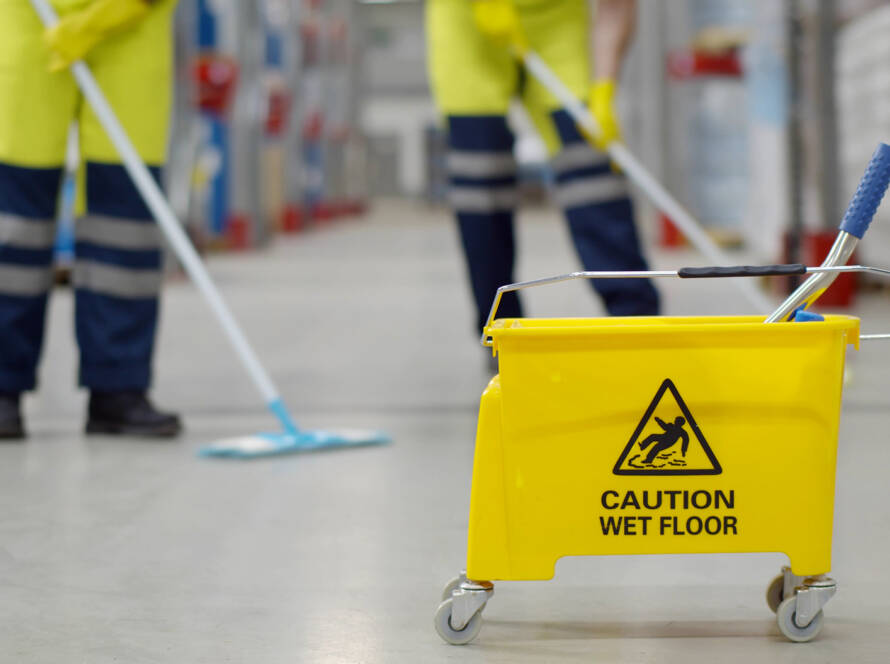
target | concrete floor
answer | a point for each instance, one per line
(133, 551)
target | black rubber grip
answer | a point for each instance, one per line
(741, 271)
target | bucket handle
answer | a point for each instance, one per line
(682, 273)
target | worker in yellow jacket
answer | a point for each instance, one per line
(475, 76)
(117, 270)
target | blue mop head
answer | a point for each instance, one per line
(291, 440)
(271, 444)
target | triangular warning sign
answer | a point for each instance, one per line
(667, 441)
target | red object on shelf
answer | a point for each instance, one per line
(691, 64)
(342, 208)
(346, 207)
(356, 207)
(238, 232)
(313, 126)
(309, 33)
(292, 219)
(216, 77)
(277, 112)
(323, 211)
(669, 236)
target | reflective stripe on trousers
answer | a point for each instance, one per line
(481, 169)
(26, 247)
(583, 176)
(482, 174)
(593, 197)
(117, 257)
(600, 214)
(117, 276)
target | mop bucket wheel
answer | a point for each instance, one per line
(786, 617)
(456, 637)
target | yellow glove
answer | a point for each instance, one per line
(76, 34)
(499, 21)
(602, 107)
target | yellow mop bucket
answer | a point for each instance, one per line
(655, 435)
(616, 436)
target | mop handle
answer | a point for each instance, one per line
(710, 272)
(170, 226)
(857, 218)
(869, 193)
(638, 173)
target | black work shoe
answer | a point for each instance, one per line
(11, 427)
(129, 413)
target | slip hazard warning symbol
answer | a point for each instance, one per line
(667, 441)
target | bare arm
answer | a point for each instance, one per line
(613, 27)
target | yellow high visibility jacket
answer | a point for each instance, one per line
(133, 68)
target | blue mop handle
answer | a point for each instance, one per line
(868, 195)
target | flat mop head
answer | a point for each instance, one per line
(271, 444)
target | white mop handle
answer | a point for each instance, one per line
(164, 215)
(638, 174)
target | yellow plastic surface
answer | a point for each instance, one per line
(134, 69)
(559, 471)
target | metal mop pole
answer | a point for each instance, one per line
(172, 229)
(857, 218)
(638, 174)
